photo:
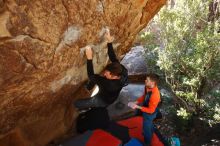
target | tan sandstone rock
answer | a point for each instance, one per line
(41, 69)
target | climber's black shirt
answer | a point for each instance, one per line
(108, 89)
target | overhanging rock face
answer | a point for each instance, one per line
(41, 68)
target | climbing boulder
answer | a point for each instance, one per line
(41, 68)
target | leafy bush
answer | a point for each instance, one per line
(187, 52)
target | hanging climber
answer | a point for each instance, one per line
(110, 83)
(149, 108)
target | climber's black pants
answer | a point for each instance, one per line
(90, 103)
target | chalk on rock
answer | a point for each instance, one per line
(102, 33)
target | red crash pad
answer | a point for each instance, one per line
(102, 138)
(134, 125)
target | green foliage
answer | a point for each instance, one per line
(211, 107)
(184, 114)
(190, 55)
(183, 120)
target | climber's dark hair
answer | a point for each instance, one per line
(115, 68)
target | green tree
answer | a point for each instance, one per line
(190, 56)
